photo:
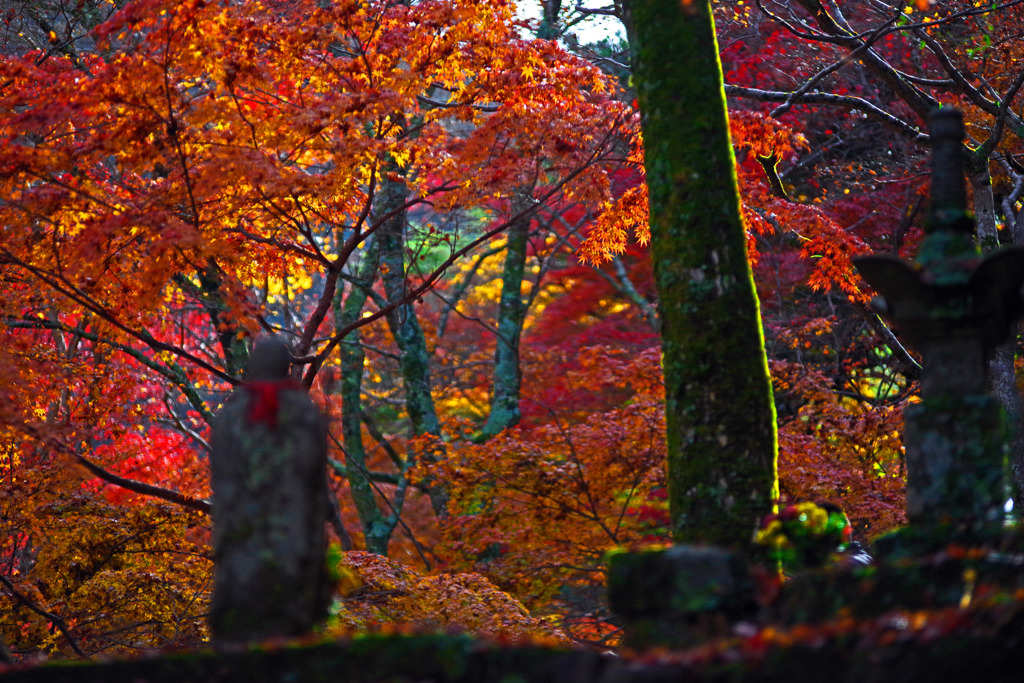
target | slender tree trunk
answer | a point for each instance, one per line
(1002, 375)
(719, 409)
(405, 328)
(376, 528)
(404, 324)
(550, 25)
(984, 206)
(209, 291)
(504, 412)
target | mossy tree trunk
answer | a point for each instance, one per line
(377, 528)
(504, 411)
(405, 328)
(1001, 366)
(209, 290)
(719, 408)
(403, 321)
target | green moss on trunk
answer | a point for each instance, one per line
(414, 357)
(403, 321)
(376, 529)
(511, 312)
(720, 413)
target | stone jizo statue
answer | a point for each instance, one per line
(268, 473)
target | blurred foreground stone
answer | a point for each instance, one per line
(268, 466)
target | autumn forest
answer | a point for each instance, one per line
(441, 207)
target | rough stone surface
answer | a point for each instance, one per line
(954, 307)
(268, 474)
(679, 596)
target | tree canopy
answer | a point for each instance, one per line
(442, 208)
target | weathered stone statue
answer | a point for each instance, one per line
(954, 306)
(268, 473)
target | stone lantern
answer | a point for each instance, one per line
(952, 306)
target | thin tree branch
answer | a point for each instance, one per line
(50, 616)
(144, 489)
(870, 110)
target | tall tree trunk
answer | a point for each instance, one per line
(984, 205)
(376, 527)
(550, 25)
(504, 412)
(405, 328)
(1002, 376)
(719, 409)
(229, 334)
(404, 324)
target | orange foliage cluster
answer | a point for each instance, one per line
(841, 450)
(191, 172)
(537, 507)
(378, 593)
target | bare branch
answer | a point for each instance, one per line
(870, 110)
(144, 489)
(49, 616)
